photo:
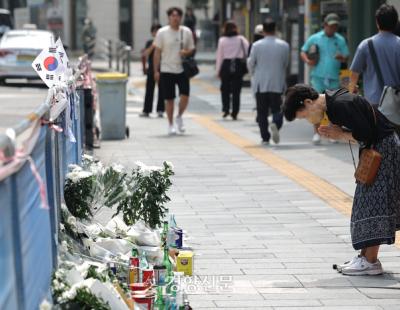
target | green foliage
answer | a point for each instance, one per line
(92, 187)
(112, 186)
(78, 194)
(146, 196)
(75, 299)
(85, 300)
(93, 273)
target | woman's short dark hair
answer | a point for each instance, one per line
(175, 9)
(230, 29)
(386, 17)
(155, 27)
(294, 99)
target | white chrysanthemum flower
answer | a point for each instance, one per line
(97, 168)
(76, 176)
(146, 170)
(70, 294)
(73, 167)
(102, 268)
(83, 269)
(170, 165)
(88, 157)
(62, 227)
(58, 273)
(56, 284)
(118, 168)
(64, 208)
(45, 305)
(71, 220)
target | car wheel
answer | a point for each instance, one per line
(2, 82)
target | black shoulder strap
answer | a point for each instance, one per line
(375, 62)
(375, 137)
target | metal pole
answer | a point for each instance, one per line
(128, 59)
(117, 46)
(51, 190)
(109, 47)
(17, 248)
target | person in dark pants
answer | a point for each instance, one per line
(150, 82)
(231, 46)
(190, 21)
(268, 61)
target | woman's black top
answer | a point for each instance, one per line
(355, 113)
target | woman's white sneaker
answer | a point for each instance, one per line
(362, 267)
(339, 268)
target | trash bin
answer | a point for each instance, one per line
(111, 90)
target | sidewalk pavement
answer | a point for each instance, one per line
(264, 221)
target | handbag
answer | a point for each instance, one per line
(368, 163)
(236, 66)
(189, 64)
(389, 103)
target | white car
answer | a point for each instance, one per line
(18, 49)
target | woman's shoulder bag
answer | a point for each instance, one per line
(369, 161)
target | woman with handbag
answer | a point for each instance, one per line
(375, 214)
(231, 67)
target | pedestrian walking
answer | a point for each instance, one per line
(387, 49)
(257, 35)
(231, 67)
(173, 42)
(88, 37)
(190, 21)
(324, 51)
(267, 63)
(375, 214)
(148, 54)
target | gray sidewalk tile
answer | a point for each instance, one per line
(331, 308)
(268, 303)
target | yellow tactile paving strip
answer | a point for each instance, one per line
(324, 190)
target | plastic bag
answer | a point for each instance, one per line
(145, 235)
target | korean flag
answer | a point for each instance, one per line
(49, 67)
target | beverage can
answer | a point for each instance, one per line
(148, 275)
(179, 237)
(133, 270)
(113, 268)
(160, 273)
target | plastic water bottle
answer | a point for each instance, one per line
(143, 264)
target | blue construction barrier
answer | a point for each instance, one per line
(28, 232)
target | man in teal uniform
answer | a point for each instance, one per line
(332, 51)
